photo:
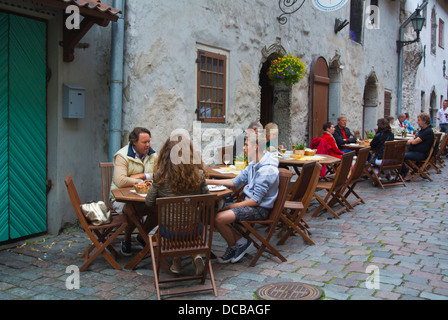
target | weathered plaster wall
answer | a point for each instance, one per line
(161, 49)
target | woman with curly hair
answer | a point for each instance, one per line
(179, 171)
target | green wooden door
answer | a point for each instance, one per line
(4, 218)
(26, 126)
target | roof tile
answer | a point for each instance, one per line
(94, 5)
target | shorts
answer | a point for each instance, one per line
(251, 213)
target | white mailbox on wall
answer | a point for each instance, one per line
(73, 101)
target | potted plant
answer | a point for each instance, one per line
(240, 161)
(299, 149)
(288, 70)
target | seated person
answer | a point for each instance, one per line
(408, 124)
(420, 145)
(400, 122)
(333, 150)
(271, 136)
(178, 178)
(342, 134)
(238, 145)
(132, 164)
(383, 134)
(261, 180)
(393, 127)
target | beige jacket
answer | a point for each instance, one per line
(126, 163)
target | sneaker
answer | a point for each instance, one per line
(126, 248)
(176, 267)
(242, 250)
(228, 255)
(140, 240)
(198, 265)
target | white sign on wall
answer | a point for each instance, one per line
(329, 5)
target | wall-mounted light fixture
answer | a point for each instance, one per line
(417, 23)
(339, 24)
(287, 7)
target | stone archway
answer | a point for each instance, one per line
(275, 101)
(370, 101)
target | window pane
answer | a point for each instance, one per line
(209, 79)
(203, 67)
(202, 83)
(215, 65)
(220, 81)
(215, 82)
(209, 64)
(214, 98)
(221, 66)
(220, 99)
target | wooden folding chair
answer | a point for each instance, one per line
(246, 228)
(420, 168)
(185, 228)
(296, 206)
(392, 162)
(443, 144)
(355, 176)
(107, 171)
(334, 188)
(101, 236)
(436, 158)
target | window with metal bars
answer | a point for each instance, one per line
(211, 89)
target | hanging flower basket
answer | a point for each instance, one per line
(288, 69)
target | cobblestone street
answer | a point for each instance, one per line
(400, 230)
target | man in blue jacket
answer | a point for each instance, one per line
(261, 179)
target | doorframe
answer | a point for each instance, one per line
(316, 79)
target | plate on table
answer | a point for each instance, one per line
(213, 187)
(140, 194)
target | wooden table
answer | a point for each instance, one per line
(296, 163)
(127, 196)
(353, 146)
(213, 174)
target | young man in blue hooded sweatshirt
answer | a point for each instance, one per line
(261, 179)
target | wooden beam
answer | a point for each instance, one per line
(72, 37)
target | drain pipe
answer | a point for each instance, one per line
(400, 57)
(116, 81)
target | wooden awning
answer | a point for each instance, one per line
(93, 12)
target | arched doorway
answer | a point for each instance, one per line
(275, 100)
(319, 83)
(267, 95)
(370, 108)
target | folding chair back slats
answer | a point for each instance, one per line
(300, 187)
(294, 210)
(107, 170)
(392, 162)
(334, 191)
(355, 176)
(185, 228)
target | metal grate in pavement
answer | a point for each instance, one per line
(289, 291)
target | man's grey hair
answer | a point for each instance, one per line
(255, 125)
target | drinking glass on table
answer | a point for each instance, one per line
(226, 159)
(282, 147)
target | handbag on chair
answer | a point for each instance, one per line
(96, 213)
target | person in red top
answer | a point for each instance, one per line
(328, 137)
